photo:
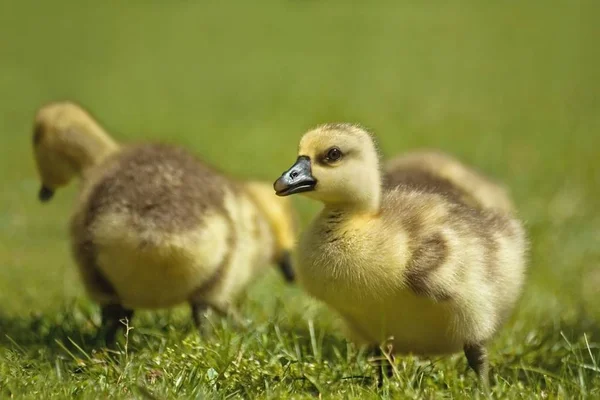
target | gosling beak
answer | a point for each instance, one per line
(297, 179)
(285, 266)
(45, 194)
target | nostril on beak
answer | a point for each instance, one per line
(294, 174)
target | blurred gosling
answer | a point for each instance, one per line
(153, 226)
(410, 266)
(439, 172)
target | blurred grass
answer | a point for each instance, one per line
(510, 87)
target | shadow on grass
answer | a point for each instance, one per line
(314, 356)
(47, 331)
(317, 356)
(564, 350)
(75, 328)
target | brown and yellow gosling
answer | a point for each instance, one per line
(439, 172)
(408, 265)
(153, 226)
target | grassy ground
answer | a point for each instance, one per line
(512, 88)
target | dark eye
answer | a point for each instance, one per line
(333, 154)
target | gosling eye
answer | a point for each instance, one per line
(333, 154)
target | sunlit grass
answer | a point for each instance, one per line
(510, 88)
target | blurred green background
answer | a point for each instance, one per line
(510, 87)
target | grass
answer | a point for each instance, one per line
(511, 87)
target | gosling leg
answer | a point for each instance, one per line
(112, 317)
(477, 358)
(382, 364)
(198, 310)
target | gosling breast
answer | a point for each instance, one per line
(161, 227)
(430, 273)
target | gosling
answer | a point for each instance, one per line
(412, 267)
(439, 172)
(153, 226)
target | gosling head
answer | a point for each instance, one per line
(338, 164)
(66, 140)
(282, 219)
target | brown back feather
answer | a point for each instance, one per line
(162, 187)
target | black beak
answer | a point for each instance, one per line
(285, 266)
(45, 194)
(297, 179)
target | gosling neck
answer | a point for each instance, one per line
(88, 145)
(364, 200)
(265, 235)
(264, 230)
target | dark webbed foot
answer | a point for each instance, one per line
(478, 361)
(114, 317)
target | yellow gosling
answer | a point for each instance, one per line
(154, 227)
(407, 265)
